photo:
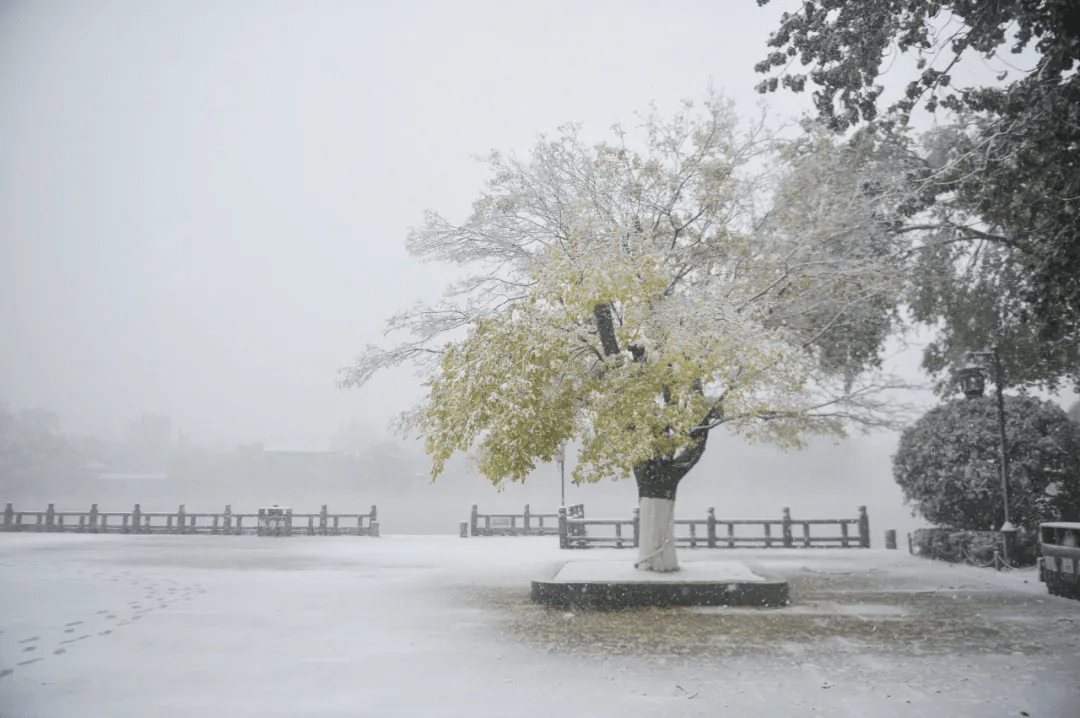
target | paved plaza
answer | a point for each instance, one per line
(117, 626)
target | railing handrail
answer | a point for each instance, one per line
(600, 522)
(573, 530)
(517, 516)
(226, 522)
(524, 523)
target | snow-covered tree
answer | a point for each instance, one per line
(635, 301)
(967, 278)
(150, 444)
(994, 191)
(948, 464)
(34, 454)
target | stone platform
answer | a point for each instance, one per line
(617, 584)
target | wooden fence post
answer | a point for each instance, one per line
(374, 529)
(711, 526)
(473, 519)
(563, 538)
(93, 518)
(787, 527)
(50, 517)
(527, 528)
(864, 528)
(9, 516)
(180, 515)
(890, 539)
(844, 534)
(322, 519)
(136, 519)
(768, 534)
(226, 519)
(578, 511)
(463, 529)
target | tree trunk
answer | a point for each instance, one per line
(656, 538)
(657, 481)
(659, 477)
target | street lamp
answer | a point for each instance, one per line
(972, 379)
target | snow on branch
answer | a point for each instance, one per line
(616, 287)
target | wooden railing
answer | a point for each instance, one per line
(182, 521)
(711, 532)
(524, 524)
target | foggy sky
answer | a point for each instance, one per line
(203, 204)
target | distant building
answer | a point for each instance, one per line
(288, 458)
(133, 477)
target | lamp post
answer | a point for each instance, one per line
(972, 378)
(562, 473)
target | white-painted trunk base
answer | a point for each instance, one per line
(656, 540)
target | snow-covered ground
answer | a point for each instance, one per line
(157, 626)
